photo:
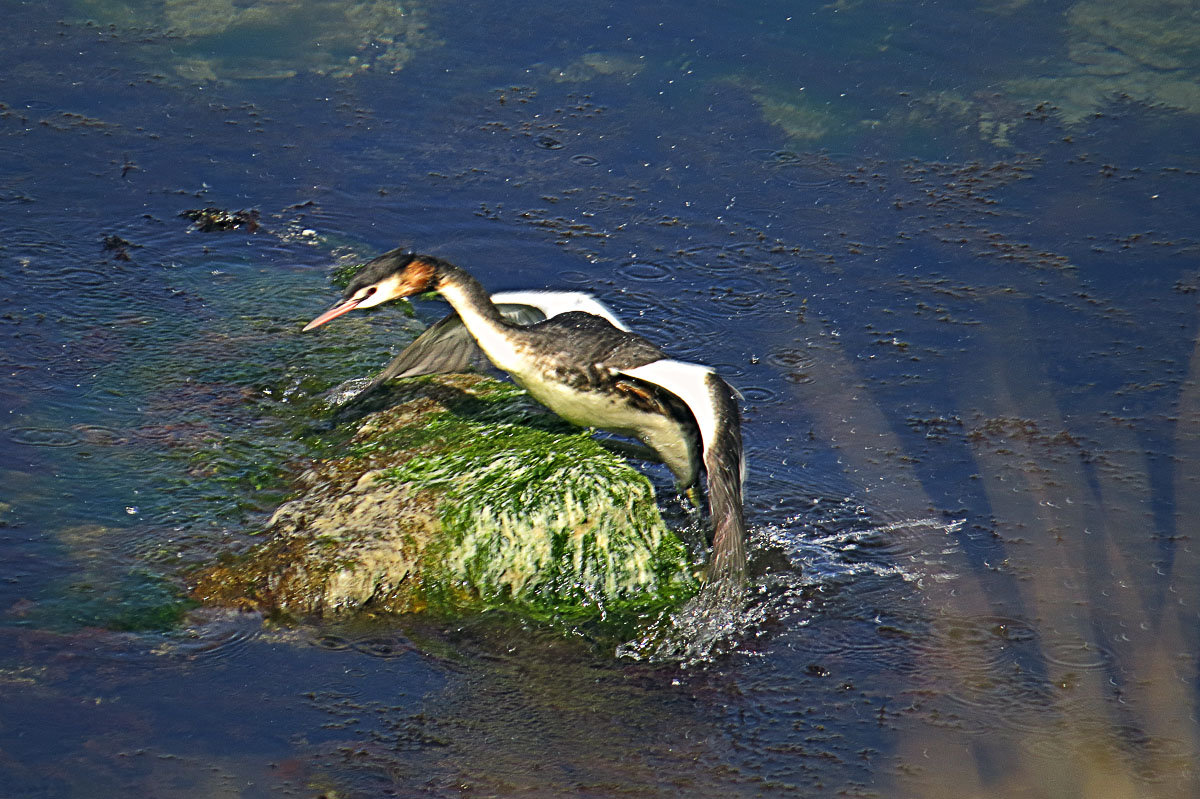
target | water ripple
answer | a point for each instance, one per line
(1075, 653)
(30, 243)
(901, 541)
(387, 646)
(335, 643)
(984, 640)
(656, 319)
(643, 270)
(758, 395)
(1015, 698)
(100, 435)
(44, 436)
(798, 170)
(215, 634)
(793, 363)
(712, 259)
(65, 276)
(576, 277)
(893, 643)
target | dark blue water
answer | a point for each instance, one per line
(947, 251)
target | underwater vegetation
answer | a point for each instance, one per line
(213, 40)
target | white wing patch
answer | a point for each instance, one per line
(689, 382)
(553, 303)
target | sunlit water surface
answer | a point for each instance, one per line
(947, 251)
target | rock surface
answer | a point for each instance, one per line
(466, 495)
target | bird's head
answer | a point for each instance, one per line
(393, 275)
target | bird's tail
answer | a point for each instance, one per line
(726, 472)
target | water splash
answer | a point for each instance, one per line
(341, 395)
(718, 622)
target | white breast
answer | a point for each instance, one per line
(665, 435)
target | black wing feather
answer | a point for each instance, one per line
(447, 347)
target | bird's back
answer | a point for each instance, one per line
(584, 340)
(572, 364)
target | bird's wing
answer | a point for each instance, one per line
(553, 303)
(447, 346)
(713, 403)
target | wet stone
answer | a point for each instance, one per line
(211, 220)
(464, 495)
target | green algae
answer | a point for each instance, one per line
(1097, 52)
(136, 601)
(465, 496)
(597, 64)
(343, 273)
(1147, 50)
(800, 118)
(467, 419)
(215, 40)
(547, 521)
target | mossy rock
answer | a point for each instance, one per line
(467, 495)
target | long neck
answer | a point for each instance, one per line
(496, 337)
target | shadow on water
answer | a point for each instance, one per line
(946, 252)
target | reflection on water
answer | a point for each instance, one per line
(946, 251)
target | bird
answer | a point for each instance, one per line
(584, 365)
(447, 346)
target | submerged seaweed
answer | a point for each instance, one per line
(214, 40)
(136, 601)
(1147, 50)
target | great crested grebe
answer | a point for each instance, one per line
(447, 345)
(587, 370)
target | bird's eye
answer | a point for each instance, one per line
(371, 291)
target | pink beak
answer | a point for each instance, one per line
(333, 313)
